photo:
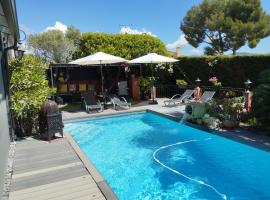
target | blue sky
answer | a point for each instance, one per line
(161, 18)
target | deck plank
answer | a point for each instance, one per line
(52, 171)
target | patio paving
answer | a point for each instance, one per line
(175, 111)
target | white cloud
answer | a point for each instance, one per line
(128, 30)
(180, 42)
(58, 26)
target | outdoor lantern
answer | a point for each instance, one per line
(198, 80)
(50, 120)
(247, 83)
(18, 52)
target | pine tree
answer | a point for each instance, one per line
(226, 24)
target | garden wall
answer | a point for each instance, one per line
(232, 71)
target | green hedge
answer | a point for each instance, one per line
(261, 101)
(232, 71)
(124, 45)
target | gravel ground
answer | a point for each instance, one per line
(9, 171)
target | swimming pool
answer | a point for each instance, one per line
(147, 156)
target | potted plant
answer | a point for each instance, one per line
(214, 81)
(181, 83)
(230, 113)
(145, 85)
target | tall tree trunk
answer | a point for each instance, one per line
(234, 51)
(221, 43)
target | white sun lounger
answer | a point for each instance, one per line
(207, 96)
(179, 98)
(118, 103)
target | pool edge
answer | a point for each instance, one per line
(93, 171)
(228, 134)
(100, 116)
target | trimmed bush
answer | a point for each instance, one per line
(232, 71)
(261, 101)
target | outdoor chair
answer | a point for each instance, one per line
(179, 98)
(122, 88)
(120, 103)
(91, 104)
(207, 96)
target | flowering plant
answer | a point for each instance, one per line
(214, 81)
(165, 66)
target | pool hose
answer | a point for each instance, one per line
(200, 182)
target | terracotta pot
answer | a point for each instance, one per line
(230, 124)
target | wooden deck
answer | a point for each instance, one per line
(52, 171)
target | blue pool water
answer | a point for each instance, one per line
(122, 149)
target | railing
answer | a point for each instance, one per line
(167, 90)
(221, 92)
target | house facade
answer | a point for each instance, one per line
(9, 33)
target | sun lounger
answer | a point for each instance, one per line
(179, 98)
(90, 103)
(207, 96)
(120, 103)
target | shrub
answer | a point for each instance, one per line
(261, 100)
(201, 113)
(232, 71)
(29, 90)
(231, 107)
(145, 85)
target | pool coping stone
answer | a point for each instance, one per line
(101, 115)
(93, 171)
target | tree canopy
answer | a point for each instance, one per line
(54, 45)
(226, 25)
(124, 45)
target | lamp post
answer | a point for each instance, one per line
(197, 90)
(18, 53)
(247, 96)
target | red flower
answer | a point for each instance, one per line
(212, 79)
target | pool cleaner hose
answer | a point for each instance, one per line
(200, 182)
